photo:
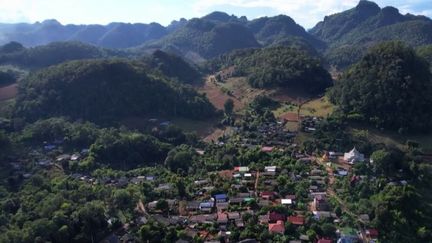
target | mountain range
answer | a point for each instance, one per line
(341, 38)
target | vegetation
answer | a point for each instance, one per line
(277, 67)
(390, 87)
(106, 90)
(51, 54)
(207, 38)
(350, 33)
(173, 66)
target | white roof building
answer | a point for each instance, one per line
(353, 156)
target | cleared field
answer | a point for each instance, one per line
(8, 92)
(320, 107)
(216, 96)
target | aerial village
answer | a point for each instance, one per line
(277, 198)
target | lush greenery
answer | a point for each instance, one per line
(173, 66)
(51, 54)
(390, 87)
(207, 38)
(106, 90)
(365, 25)
(277, 67)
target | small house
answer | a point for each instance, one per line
(270, 168)
(277, 228)
(267, 149)
(296, 220)
(222, 218)
(221, 198)
(206, 207)
(267, 195)
(241, 169)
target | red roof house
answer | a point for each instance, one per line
(267, 195)
(278, 227)
(296, 220)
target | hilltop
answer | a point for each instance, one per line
(350, 33)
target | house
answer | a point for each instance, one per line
(296, 220)
(192, 206)
(322, 214)
(221, 198)
(236, 201)
(206, 206)
(270, 168)
(267, 149)
(267, 195)
(222, 206)
(372, 233)
(234, 215)
(324, 241)
(75, 157)
(342, 173)
(203, 218)
(239, 223)
(277, 228)
(138, 180)
(201, 182)
(274, 217)
(222, 218)
(241, 169)
(286, 201)
(321, 203)
(353, 156)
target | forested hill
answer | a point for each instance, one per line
(277, 67)
(54, 53)
(219, 33)
(351, 32)
(106, 90)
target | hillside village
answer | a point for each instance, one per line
(218, 129)
(292, 197)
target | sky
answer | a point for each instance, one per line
(305, 12)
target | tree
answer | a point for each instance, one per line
(162, 205)
(389, 87)
(180, 158)
(229, 106)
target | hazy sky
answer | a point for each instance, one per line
(305, 12)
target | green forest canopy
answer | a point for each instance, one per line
(277, 67)
(391, 87)
(106, 90)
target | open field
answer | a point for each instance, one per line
(320, 107)
(8, 92)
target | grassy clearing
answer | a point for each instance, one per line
(320, 107)
(284, 108)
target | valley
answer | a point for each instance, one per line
(218, 129)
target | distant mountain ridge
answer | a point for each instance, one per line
(342, 37)
(350, 33)
(206, 37)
